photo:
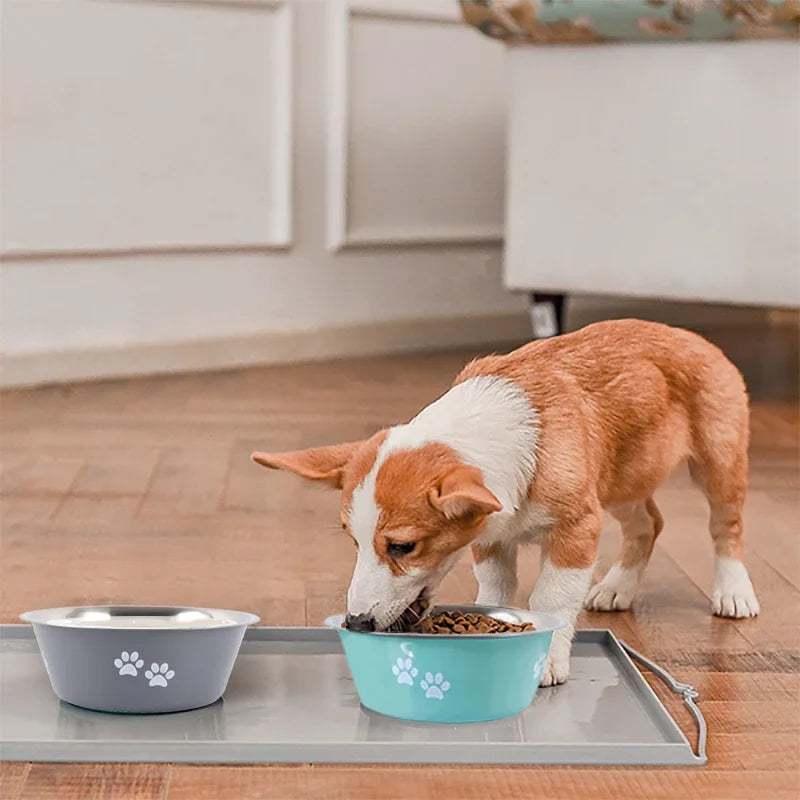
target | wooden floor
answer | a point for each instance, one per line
(142, 491)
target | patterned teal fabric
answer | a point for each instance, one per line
(594, 21)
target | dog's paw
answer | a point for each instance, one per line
(556, 671)
(615, 592)
(735, 605)
(734, 596)
(556, 668)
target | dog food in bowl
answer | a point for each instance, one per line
(139, 659)
(449, 622)
(431, 677)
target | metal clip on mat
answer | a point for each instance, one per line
(689, 693)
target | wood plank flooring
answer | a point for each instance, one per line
(142, 490)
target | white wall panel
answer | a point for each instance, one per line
(658, 171)
(147, 151)
(417, 130)
(145, 126)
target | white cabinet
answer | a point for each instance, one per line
(656, 170)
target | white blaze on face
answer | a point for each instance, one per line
(374, 589)
(370, 576)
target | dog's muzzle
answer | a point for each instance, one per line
(360, 623)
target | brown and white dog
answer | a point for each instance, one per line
(533, 446)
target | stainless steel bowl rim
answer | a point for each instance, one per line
(503, 613)
(55, 617)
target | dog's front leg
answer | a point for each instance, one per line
(569, 551)
(495, 568)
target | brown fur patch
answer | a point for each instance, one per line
(357, 469)
(572, 544)
(641, 524)
(403, 488)
(326, 464)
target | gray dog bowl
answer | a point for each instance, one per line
(139, 659)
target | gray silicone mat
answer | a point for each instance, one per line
(291, 699)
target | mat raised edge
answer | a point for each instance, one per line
(674, 751)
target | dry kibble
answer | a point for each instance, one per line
(448, 623)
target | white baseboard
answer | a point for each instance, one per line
(53, 366)
(28, 369)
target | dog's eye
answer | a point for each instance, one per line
(400, 548)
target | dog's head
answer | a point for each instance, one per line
(409, 511)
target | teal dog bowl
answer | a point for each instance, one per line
(457, 678)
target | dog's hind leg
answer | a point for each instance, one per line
(641, 523)
(718, 465)
(725, 489)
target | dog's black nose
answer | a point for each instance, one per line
(361, 623)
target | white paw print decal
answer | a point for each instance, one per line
(128, 663)
(434, 685)
(405, 671)
(159, 675)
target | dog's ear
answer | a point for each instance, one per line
(317, 464)
(462, 495)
